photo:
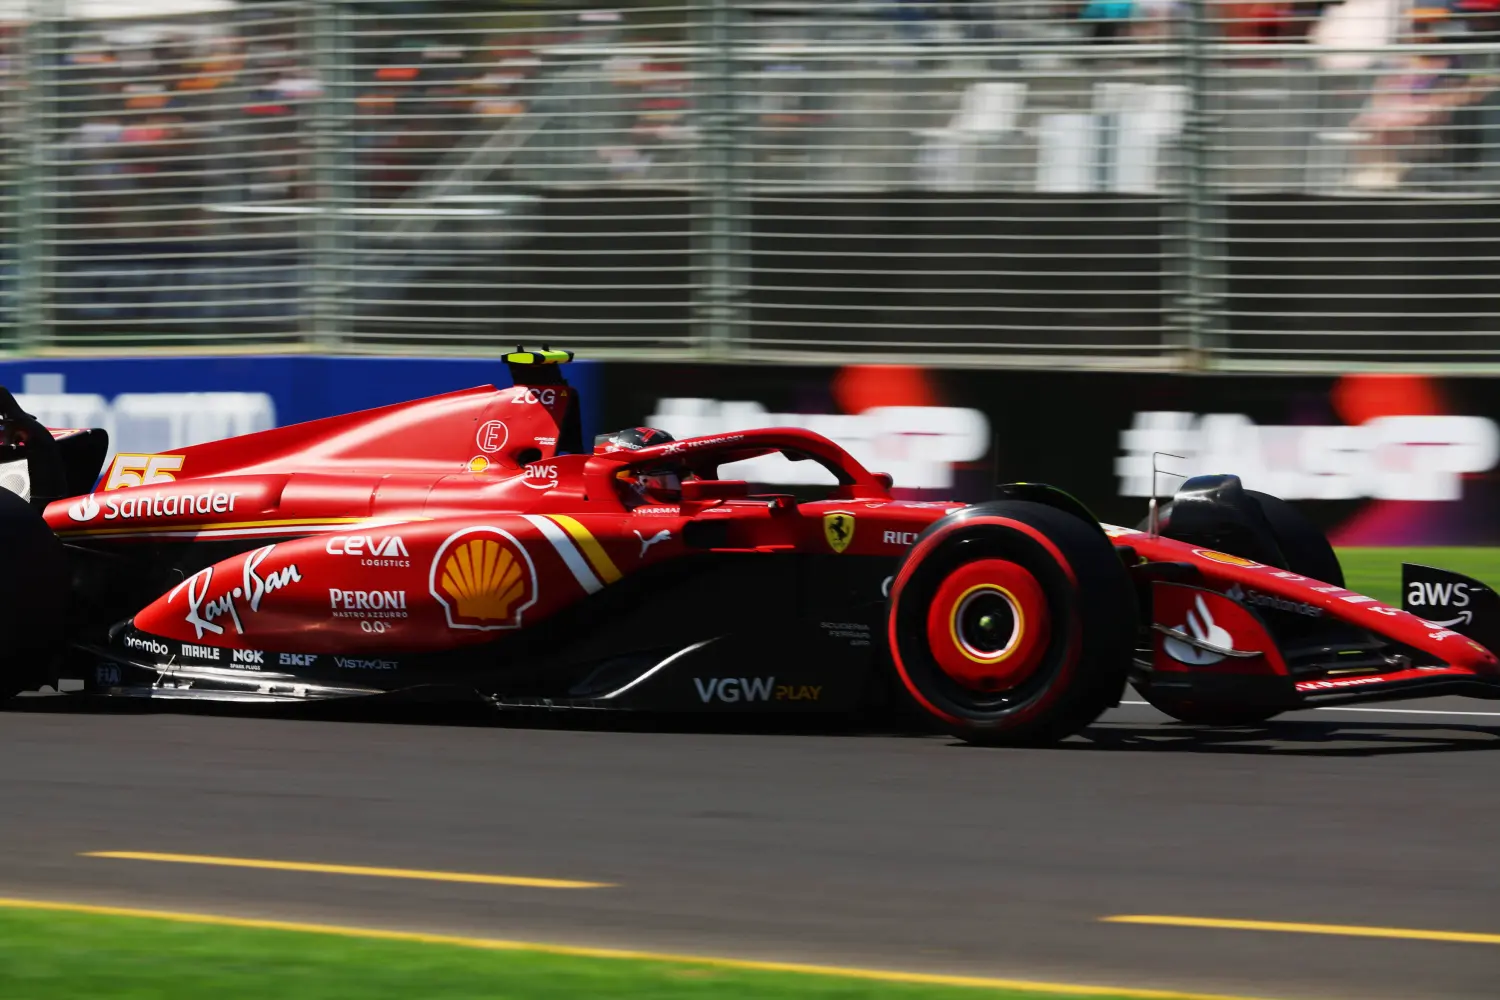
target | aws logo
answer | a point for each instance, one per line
(483, 578)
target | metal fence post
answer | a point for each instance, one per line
(33, 289)
(719, 306)
(1201, 302)
(330, 142)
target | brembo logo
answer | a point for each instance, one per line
(146, 645)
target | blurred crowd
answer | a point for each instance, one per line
(151, 117)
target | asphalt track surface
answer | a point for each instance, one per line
(912, 853)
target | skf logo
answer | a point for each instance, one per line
(838, 528)
(483, 578)
(899, 537)
(297, 659)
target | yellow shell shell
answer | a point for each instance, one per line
(484, 579)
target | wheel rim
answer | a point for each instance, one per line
(988, 625)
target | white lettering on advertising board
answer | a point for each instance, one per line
(917, 445)
(1386, 458)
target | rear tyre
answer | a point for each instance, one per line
(1012, 623)
(33, 596)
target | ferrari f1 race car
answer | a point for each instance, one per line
(469, 542)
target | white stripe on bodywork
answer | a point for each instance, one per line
(569, 552)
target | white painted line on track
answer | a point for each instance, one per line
(1350, 708)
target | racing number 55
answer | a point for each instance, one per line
(142, 470)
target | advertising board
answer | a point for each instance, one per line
(152, 405)
(1374, 459)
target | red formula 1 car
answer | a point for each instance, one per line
(469, 541)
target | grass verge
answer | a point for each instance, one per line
(1377, 572)
(47, 955)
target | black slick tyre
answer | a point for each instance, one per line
(33, 596)
(1011, 623)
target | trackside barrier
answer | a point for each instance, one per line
(1152, 185)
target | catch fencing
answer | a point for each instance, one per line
(1152, 184)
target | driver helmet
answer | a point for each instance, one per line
(653, 483)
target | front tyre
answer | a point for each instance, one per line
(1012, 623)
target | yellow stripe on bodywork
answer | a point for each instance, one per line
(595, 553)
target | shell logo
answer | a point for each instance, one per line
(483, 578)
(1227, 559)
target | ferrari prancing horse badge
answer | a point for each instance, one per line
(838, 528)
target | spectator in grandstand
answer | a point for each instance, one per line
(1403, 123)
(1107, 20)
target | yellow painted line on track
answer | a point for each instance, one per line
(498, 944)
(1342, 930)
(304, 866)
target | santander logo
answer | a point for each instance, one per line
(84, 510)
(1200, 625)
